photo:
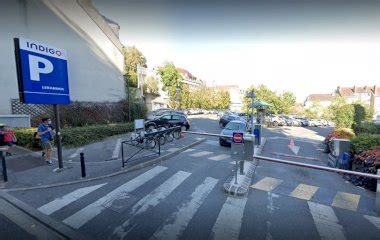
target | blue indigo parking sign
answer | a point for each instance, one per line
(42, 73)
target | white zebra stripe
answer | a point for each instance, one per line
(59, 203)
(179, 220)
(84, 215)
(326, 222)
(228, 223)
(149, 201)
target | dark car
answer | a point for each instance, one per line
(169, 119)
(226, 119)
(160, 112)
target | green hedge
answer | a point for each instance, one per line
(368, 127)
(75, 137)
(363, 142)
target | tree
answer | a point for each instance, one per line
(151, 85)
(225, 99)
(171, 80)
(287, 101)
(280, 103)
(132, 58)
(314, 111)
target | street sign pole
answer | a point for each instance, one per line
(58, 136)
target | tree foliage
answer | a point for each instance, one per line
(132, 58)
(171, 81)
(151, 85)
(281, 103)
(205, 98)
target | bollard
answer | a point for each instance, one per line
(377, 201)
(4, 165)
(82, 165)
(241, 167)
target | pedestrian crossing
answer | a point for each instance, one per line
(342, 200)
(226, 224)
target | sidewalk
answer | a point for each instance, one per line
(27, 169)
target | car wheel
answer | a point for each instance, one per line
(221, 143)
(275, 124)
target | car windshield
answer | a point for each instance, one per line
(236, 126)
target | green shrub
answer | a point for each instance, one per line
(74, 137)
(368, 127)
(363, 142)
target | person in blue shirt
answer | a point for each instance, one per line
(46, 133)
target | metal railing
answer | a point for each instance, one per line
(305, 165)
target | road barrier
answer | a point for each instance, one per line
(312, 166)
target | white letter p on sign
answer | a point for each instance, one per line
(36, 70)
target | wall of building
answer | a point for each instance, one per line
(95, 62)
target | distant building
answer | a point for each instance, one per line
(322, 99)
(95, 59)
(190, 79)
(236, 95)
(368, 94)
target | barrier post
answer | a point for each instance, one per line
(82, 165)
(4, 165)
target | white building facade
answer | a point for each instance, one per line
(95, 60)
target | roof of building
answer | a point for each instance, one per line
(351, 91)
(320, 97)
(227, 87)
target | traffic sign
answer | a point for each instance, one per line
(237, 138)
(42, 72)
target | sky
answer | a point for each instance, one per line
(299, 46)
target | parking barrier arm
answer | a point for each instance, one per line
(312, 166)
(215, 135)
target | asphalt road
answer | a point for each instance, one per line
(183, 198)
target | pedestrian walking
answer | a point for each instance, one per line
(46, 133)
(9, 139)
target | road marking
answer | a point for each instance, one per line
(84, 215)
(346, 200)
(200, 154)
(212, 142)
(295, 156)
(189, 150)
(172, 149)
(149, 201)
(326, 222)
(267, 184)
(26, 222)
(374, 220)
(76, 153)
(59, 203)
(219, 157)
(179, 220)
(304, 191)
(228, 223)
(116, 151)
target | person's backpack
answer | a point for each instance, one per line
(36, 136)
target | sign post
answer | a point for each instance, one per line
(43, 78)
(237, 145)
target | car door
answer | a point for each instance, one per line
(175, 120)
(164, 120)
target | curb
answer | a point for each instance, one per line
(242, 188)
(133, 168)
(50, 223)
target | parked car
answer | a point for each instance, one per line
(276, 121)
(223, 121)
(231, 127)
(222, 113)
(169, 120)
(160, 112)
(314, 123)
(291, 121)
(304, 122)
